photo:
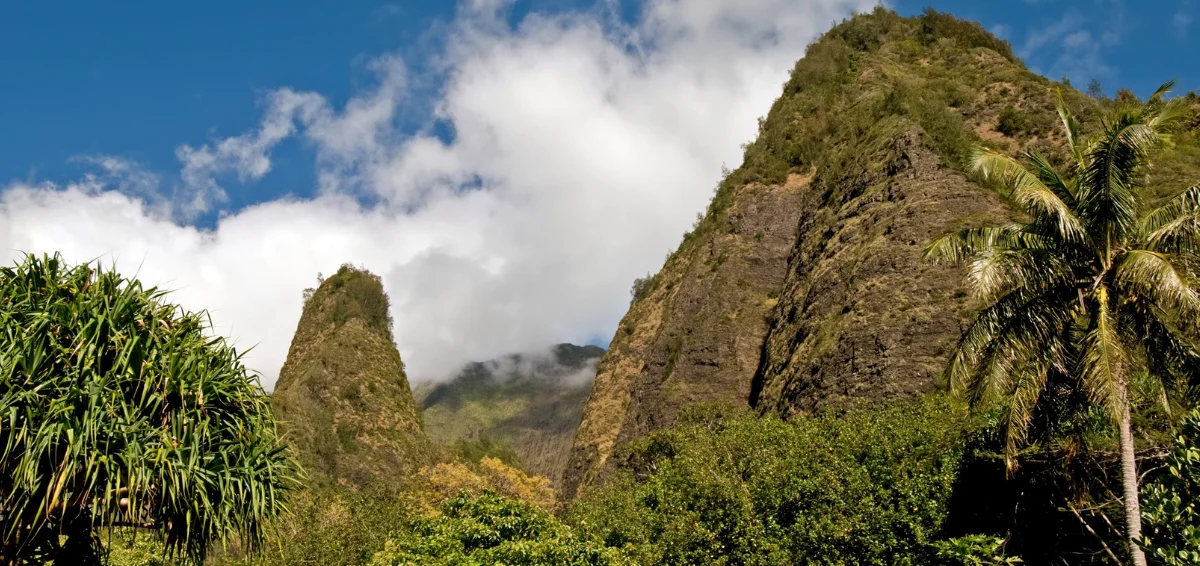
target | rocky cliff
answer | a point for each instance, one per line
(802, 286)
(342, 395)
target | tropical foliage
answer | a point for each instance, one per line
(120, 411)
(729, 487)
(974, 550)
(1092, 287)
(1171, 504)
(487, 528)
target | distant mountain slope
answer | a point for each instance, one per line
(802, 286)
(532, 402)
(342, 394)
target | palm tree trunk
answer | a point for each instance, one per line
(1129, 481)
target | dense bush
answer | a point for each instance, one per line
(337, 527)
(332, 528)
(357, 293)
(867, 487)
(1013, 122)
(969, 35)
(487, 528)
(1171, 505)
(974, 550)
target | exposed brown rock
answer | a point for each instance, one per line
(698, 335)
(860, 315)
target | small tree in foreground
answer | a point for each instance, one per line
(1092, 288)
(116, 410)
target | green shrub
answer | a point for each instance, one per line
(490, 529)
(363, 298)
(474, 450)
(1171, 504)
(1014, 122)
(332, 528)
(974, 550)
(127, 547)
(727, 487)
(642, 287)
(969, 35)
(120, 408)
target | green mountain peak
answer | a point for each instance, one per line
(343, 394)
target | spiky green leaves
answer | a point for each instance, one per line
(117, 409)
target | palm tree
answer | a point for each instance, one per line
(1094, 285)
(122, 411)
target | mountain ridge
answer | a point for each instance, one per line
(802, 287)
(530, 401)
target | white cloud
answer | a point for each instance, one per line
(1073, 46)
(583, 149)
(1182, 20)
(246, 155)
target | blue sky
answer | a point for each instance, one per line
(137, 78)
(507, 167)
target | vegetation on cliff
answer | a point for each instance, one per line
(800, 285)
(342, 395)
(871, 143)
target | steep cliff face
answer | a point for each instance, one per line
(860, 315)
(342, 395)
(802, 286)
(696, 334)
(531, 402)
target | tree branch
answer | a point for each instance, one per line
(1094, 533)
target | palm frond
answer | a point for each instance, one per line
(1175, 226)
(1018, 413)
(1162, 91)
(1071, 130)
(1004, 336)
(1062, 187)
(1113, 173)
(957, 247)
(1030, 190)
(1171, 355)
(1167, 116)
(1154, 276)
(1103, 360)
(997, 272)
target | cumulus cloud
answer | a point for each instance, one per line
(246, 156)
(582, 148)
(541, 365)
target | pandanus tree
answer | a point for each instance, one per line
(1093, 286)
(119, 410)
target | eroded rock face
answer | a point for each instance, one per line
(342, 395)
(860, 315)
(698, 334)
